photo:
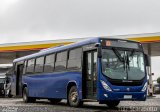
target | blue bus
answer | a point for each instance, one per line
(106, 70)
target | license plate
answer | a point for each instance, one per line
(127, 96)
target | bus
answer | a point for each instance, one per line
(105, 70)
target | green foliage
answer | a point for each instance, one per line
(158, 80)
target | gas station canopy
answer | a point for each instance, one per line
(151, 44)
(10, 51)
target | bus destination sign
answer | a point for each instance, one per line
(120, 43)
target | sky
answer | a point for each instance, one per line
(36, 20)
(32, 20)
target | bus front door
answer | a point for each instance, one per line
(90, 74)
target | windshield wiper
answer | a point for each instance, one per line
(120, 57)
(124, 59)
(128, 61)
(118, 54)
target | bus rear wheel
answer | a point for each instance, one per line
(54, 101)
(112, 104)
(26, 97)
(73, 97)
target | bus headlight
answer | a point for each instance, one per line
(105, 86)
(144, 87)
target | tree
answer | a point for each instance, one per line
(158, 80)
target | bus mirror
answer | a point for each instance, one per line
(147, 60)
(97, 44)
(99, 52)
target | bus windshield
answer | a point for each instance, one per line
(123, 64)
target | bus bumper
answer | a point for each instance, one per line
(132, 96)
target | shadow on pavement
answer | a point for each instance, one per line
(97, 108)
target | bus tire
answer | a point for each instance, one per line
(73, 97)
(26, 97)
(112, 104)
(54, 101)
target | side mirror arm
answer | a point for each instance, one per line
(99, 50)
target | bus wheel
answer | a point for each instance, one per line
(27, 99)
(54, 101)
(73, 98)
(112, 104)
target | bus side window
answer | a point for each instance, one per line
(61, 59)
(75, 56)
(89, 66)
(49, 63)
(95, 66)
(30, 66)
(39, 65)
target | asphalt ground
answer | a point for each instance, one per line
(152, 104)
